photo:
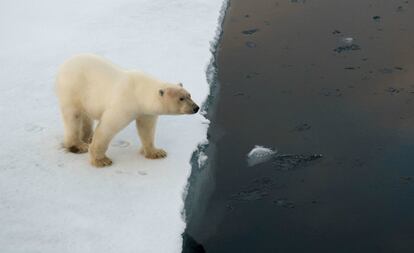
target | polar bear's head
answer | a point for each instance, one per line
(176, 100)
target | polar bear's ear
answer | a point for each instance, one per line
(161, 92)
(180, 84)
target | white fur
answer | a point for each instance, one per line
(90, 87)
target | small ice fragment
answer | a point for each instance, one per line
(348, 40)
(351, 47)
(284, 203)
(202, 159)
(250, 31)
(259, 154)
(250, 44)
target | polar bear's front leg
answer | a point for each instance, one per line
(111, 123)
(146, 131)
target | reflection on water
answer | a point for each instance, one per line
(316, 77)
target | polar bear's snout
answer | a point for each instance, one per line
(190, 107)
(195, 108)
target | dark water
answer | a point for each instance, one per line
(328, 77)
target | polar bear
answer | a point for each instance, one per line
(90, 87)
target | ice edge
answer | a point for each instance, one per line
(211, 75)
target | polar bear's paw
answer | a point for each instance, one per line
(79, 149)
(101, 162)
(153, 153)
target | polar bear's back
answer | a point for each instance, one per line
(88, 78)
(88, 69)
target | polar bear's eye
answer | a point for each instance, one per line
(181, 99)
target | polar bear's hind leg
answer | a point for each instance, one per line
(87, 129)
(72, 120)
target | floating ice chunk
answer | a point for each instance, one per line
(250, 31)
(348, 40)
(202, 159)
(250, 44)
(350, 47)
(376, 18)
(259, 154)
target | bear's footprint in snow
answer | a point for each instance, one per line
(32, 128)
(120, 144)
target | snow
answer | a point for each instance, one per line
(259, 154)
(53, 201)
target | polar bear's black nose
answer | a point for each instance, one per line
(196, 109)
